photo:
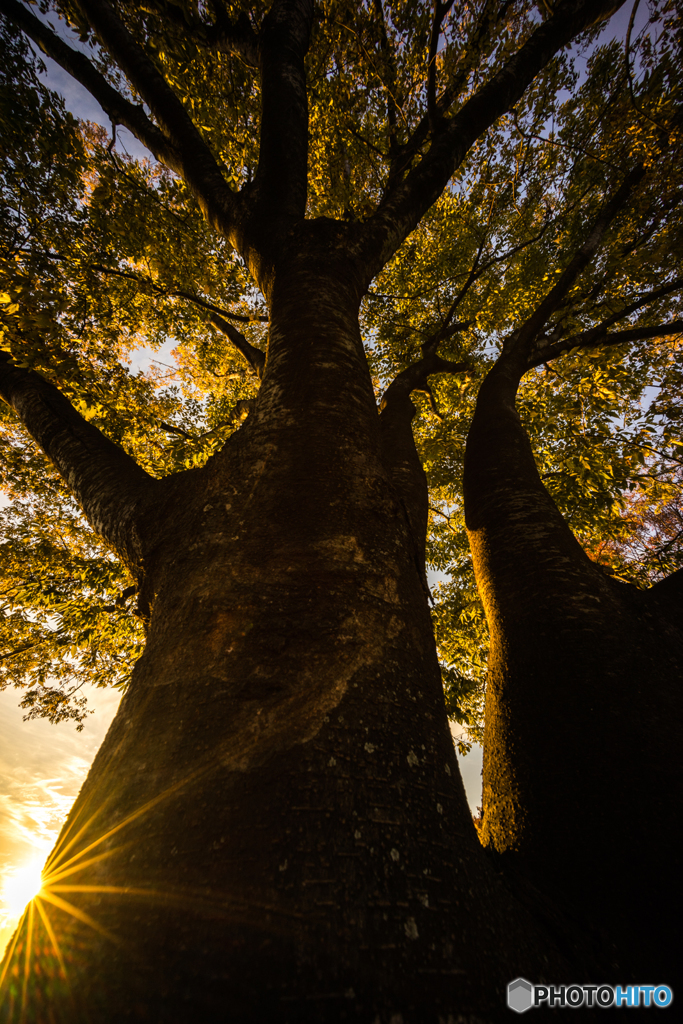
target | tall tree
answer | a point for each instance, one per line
(275, 825)
(584, 668)
(481, 262)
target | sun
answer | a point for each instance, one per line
(21, 886)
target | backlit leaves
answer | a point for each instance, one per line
(109, 278)
(605, 422)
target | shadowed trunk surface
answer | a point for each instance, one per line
(275, 827)
(582, 772)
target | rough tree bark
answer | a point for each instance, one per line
(275, 827)
(582, 772)
(582, 775)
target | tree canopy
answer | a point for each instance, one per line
(495, 189)
(104, 254)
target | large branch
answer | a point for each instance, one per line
(198, 166)
(498, 391)
(475, 52)
(117, 107)
(254, 356)
(527, 335)
(177, 143)
(108, 484)
(399, 453)
(281, 181)
(597, 336)
(414, 378)
(547, 348)
(227, 36)
(407, 200)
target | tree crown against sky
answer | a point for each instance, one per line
(281, 761)
(103, 253)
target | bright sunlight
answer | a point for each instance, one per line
(21, 886)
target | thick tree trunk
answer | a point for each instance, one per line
(582, 772)
(275, 828)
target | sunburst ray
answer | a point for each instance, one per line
(65, 871)
(27, 961)
(10, 954)
(59, 848)
(80, 915)
(52, 937)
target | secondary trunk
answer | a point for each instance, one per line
(582, 773)
(275, 827)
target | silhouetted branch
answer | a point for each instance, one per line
(440, 12)
(254, 356)
(199, 166)
(280, 185)
(522, 342)
(548, 348)
(492, 15)
(119, 109)
(180, 293)
(170, 429)
(599, 336)
(406, 200)
(108, 484)
(177, 142)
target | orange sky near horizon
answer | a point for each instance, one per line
(42, 768)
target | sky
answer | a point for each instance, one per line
(43, 766)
